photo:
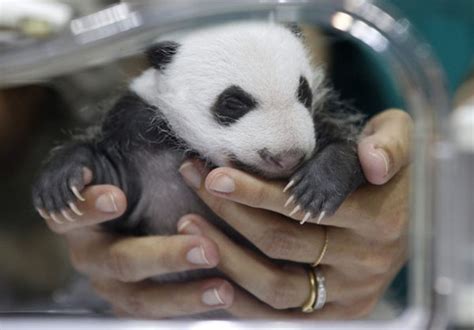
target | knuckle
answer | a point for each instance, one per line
(120, 264)
(134, 303)
(364, 257)
(405, 117)
(375, 262)
(168, 258)
(394, 229)
(375, 284)
(123, 296)
(219, 206)
(381, 265)
(397, 114)
(277, 243)
(364, 308)
(258, 196)
(278, 292)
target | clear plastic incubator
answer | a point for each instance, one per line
(82, 54)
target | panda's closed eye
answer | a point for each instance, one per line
(305, 96)
(232, 104)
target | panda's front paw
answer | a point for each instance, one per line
(321, 184)
(60, 183)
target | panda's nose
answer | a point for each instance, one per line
(285, 160)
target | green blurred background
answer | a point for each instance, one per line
(448, 25)
(362, 77)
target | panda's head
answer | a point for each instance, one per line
(240, 95)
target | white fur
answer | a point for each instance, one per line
(264, 59)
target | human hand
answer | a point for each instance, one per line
(367, 235)
(119, 266)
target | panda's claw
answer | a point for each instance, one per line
(289, 185)
(74, 209)
(58, 188)
(322, 183)
(76, 193)
(296, 209)
(321, 217)
(307, 216)
(55, 218)
(289, 201)
(67, 216)
(43, 213)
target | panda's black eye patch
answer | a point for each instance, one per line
(305, 96)
(232, 104)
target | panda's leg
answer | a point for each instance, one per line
(321, 185)
(58, 188)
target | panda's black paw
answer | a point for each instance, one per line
(60, 183)
(321, 184)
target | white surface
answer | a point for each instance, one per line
(412, 319)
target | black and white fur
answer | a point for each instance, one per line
(242, 95)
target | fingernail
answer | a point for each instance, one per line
(188, 227)
(106, 203)
(211, 297)
(191, 175)
(197, 256)
(381, 154)
(222, 183)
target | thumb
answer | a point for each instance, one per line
(384, 147)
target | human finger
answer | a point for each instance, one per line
(152, 300)
(385, 148)
(280, 286)
(376, 212)
(270, 232)
(132, 259)
(350, 250)
(102, 203)
(246, 189)
(245, 306)
(260, 194)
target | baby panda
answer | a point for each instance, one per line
(243, 95)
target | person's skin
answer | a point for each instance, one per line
(367, 242)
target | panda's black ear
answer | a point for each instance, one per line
(295, 29)
(161, 54)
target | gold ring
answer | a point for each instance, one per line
(323, 251)
(308, 306)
